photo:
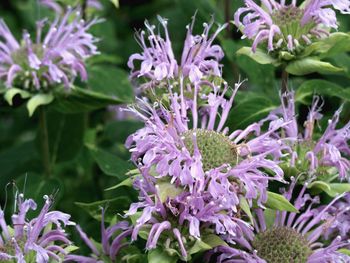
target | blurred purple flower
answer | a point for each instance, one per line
(293, 237)
(330, 150)
(112, 242)
(56, 58)
(285, 25)
(200, 57)
(201, 168)
(36, 238)
(55, 6)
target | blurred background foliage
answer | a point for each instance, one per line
(87, 140)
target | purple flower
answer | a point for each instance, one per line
(112, 239)
(293, 237)
(194, 171)
(199, 60)
(284, 25)
(310, 155)
(56, 58)
(41, 239)
(55, 6)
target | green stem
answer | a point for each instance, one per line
(44, 141)
(285, 77)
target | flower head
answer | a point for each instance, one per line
(56, 58)
(194, 171)
(42, 237)
(199, 60)
(285, 25)
(293, 237)
(112, 239)
(309, 155)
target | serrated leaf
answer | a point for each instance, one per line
(159, 255)
(279, 202)
(12, 92)
(311, 65)
(259, 56)
(38, 100)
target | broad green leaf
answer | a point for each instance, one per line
(335, 43)
(321, 87)
(127, 182)
(259, 56)
(158, 255)
(167, 189)
(243, 203)
(109, 163)
(39, 100)
(279, 202)
(112, 206)
(12, 92)
(311, 65)
(337, 188)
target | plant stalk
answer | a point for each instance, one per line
(44, 141)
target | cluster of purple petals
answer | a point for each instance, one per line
(330, 150)
(200, 57)
(259, 24)
(34, 236)
(310, 222)
(203, 199)
(58, 57)
(112, 239)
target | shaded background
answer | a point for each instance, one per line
(88, 147)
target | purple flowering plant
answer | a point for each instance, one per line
(204, 167)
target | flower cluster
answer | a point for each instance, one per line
(56, 58)
(293, 237)
(314, 157)
(194, 172)
(199, 60)
(283, 25)
(41, 239)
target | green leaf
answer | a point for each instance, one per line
(39, 100)
(320, 185)
(243, 203)
(109, 163)
(115, 3)
(199, 246)
(114, 206)
(127, 182)
(279, 202)
(259, 56)
(213, 240)
(335, 43)
(12, 92)
(167, 189)
(158, 255)
(311, 65)
(321, 87)
(338, 188)
(344, 251)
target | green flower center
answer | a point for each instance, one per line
(216, 149)
(288, 19)
(282, 244)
